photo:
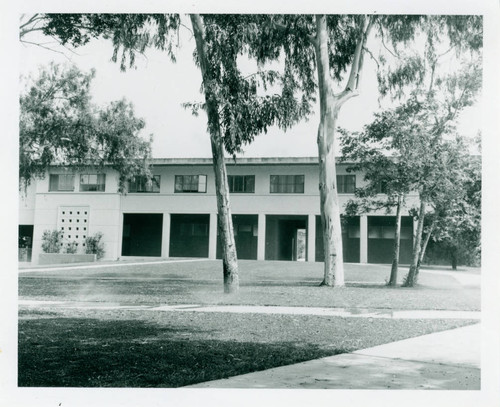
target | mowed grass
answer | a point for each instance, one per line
(89, 348)
(261, 283)
(84, 347)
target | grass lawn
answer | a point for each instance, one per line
(261, 283)
(83, 347)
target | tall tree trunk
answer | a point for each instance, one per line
(454, 258)
(397, 239)
(426, 242)
(411, 278)
(329, 205)
(229, 258)
(330, 105)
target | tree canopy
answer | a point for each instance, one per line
(59, 125)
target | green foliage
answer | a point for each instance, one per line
(129, 33)
(51, 241)
(59, 125)
(457, 215)
(95, 245)
(71, 248)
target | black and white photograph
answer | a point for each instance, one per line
(250, 204)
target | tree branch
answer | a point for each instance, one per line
(352, 86)
(283, 28)
(44, 47)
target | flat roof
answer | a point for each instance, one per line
(238, 161)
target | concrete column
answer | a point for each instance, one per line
(261, 237)
(311, 238)
(363, 239)
(212, 237)
(165, 245)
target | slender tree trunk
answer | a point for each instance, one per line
(329, 205)
(397, 239)
(411, 278)
(426, 242)
(229, 258)
(454, 258)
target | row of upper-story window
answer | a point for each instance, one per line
(279, 184)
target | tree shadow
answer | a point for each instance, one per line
(86, 352)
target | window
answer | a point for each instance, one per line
(241, 183)
(61, 182)
(194, 229)
(143, 184)
(346, 184)
(381, 187)
(190, 183)
(288, 184)
(93, 182)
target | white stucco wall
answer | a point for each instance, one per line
(41, 206)
(104, 212)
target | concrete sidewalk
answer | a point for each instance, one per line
(448, 360)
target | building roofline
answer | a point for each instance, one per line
(238, 161)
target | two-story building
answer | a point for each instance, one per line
(274, 202)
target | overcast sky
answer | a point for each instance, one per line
(157, 88)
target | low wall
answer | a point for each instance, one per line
(64, 258)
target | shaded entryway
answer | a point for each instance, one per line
(286, 237)
(350, 226)
(245, 237)
(25, 242)
(142, 234)
(189, 235)
(381, 239)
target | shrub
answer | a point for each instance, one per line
(71, 248)
(94, 245)
(51, 241)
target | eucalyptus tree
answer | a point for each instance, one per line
(387, 153)
(235, 110)
(454, 221)
(59, 125)
(443, 77)
(330, 51)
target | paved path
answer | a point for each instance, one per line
(448, 360)
(100, 265)
(258, 309)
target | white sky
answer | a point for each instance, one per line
(157, 87)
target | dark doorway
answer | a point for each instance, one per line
(381, 239)
(142, 234)
(25, 242)
(189, 235)
(350, 239)
(245, 237)
(284, 234)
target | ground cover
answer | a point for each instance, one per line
(117, 348)
(262, 283)
(82, 347)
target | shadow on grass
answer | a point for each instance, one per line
(77, 352)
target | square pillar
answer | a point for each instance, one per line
(261, 237)
(165, 242)
(363, 239)
(212, 237)
(311, 238)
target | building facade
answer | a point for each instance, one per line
(274, 202)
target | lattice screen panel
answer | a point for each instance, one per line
(73, 223)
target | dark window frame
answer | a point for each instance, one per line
(98, 186)
(346, 183)
(244, 182)
(287, 184)
(141, 185)
(57, 186)
(189, 184)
